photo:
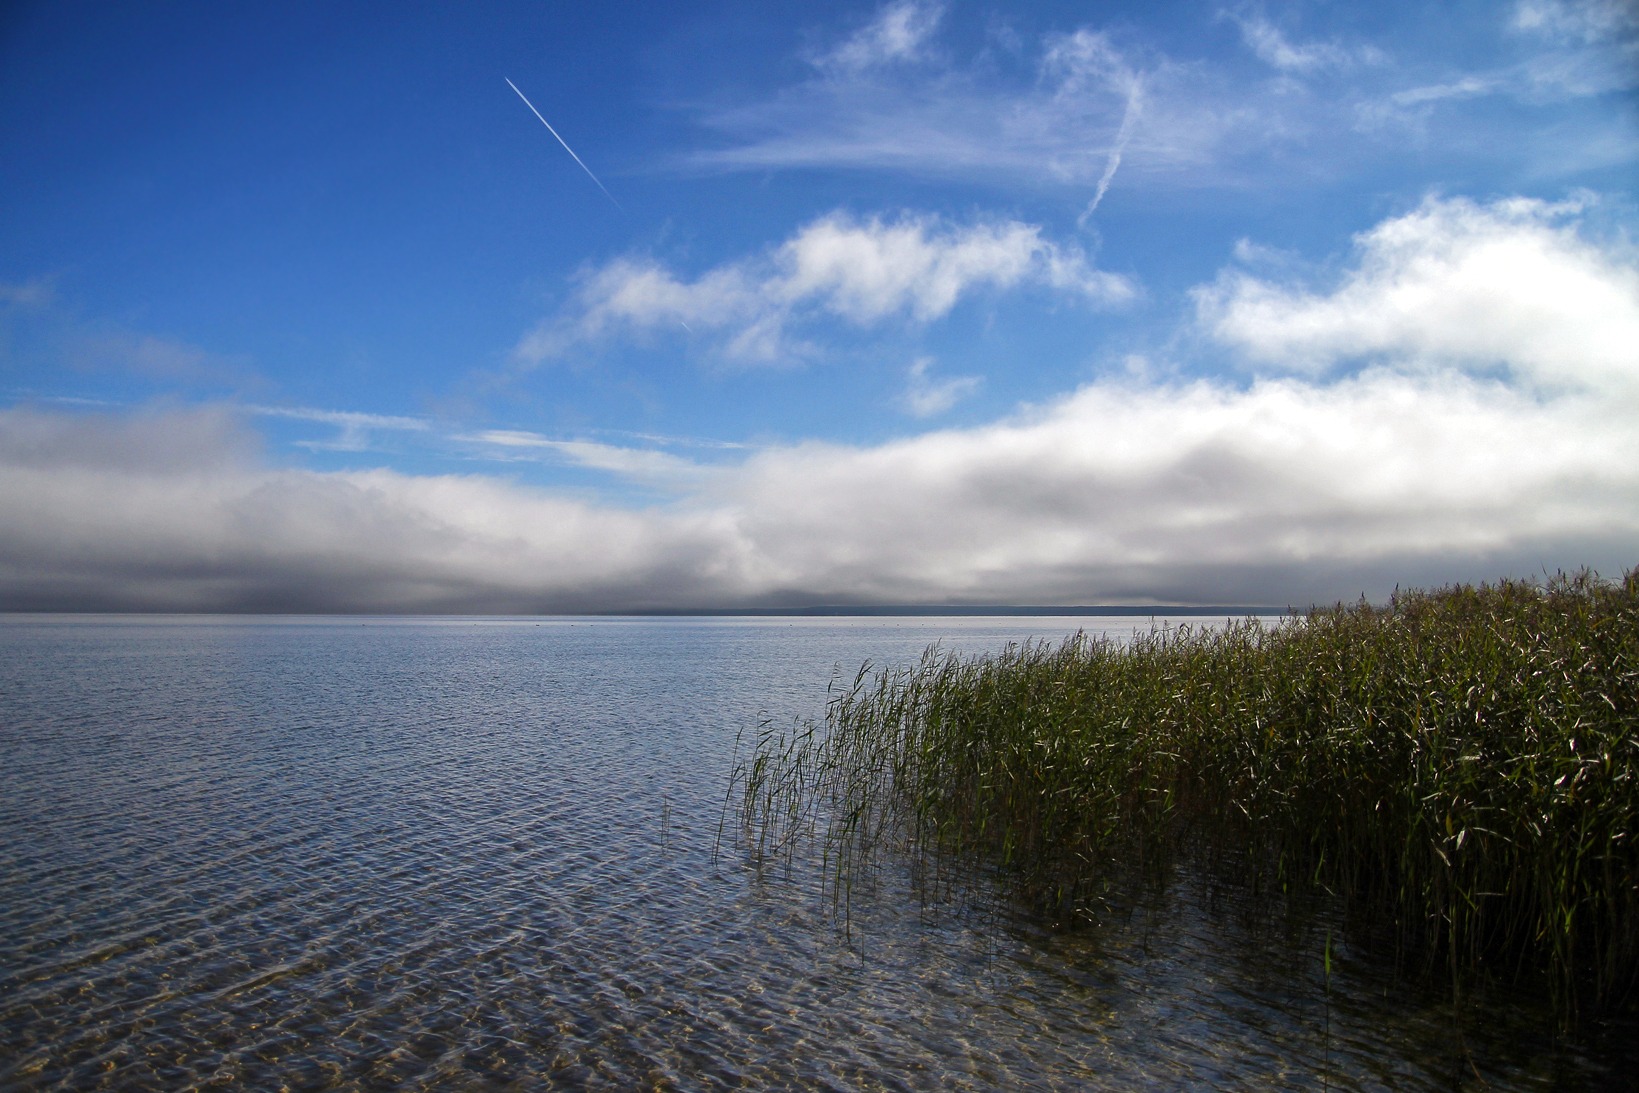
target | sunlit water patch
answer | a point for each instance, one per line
(457, 853)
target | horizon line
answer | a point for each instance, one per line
(804, 611)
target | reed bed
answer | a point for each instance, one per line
(1459, 767)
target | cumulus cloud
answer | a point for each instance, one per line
(862, 272)
(1507, 286)
(1484, 427)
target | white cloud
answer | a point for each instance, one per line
(1064, 111)
(355, 428)
(1083, 62)
(1593, 47)
(646, 464)
(1284, 491)
(1059, 119)
(1469, 87)
(36, 292)
(866, 272)
(1492, 432)
(1271, 46)
(1120, 491)
(928, 397)
(1585, 21)
(1570, 51)
(899, 33)
(153, 357)
(1454, 284)
(34, 313)
(202, 530)
(643, 293)
(862, 272)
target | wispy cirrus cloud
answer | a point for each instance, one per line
(1276, 48)
(899, 33)
(928, 396)
(1069, 108)
(861, 272)
(36, 292)
(154, 357)
(1583, 21)
(36, 321)
(1593, 46)
(646, 463)
(642, 464)
(355, 430)
(1061, 116)
(1564, 52)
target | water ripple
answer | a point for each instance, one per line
(459, 854)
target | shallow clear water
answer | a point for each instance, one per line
(357, 853)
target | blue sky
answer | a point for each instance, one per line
(301, 307)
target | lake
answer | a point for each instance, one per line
(336, 853)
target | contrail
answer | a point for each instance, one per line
(1134, 94)
(565, 144)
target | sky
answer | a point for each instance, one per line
(574, 307)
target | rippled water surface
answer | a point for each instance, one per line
(451, 853)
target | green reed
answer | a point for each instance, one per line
(1460, 765)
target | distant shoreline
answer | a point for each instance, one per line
(820, 611)
(912, 611)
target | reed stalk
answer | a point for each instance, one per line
(1460, 764)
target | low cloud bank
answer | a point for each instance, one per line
(1458, 405)
(1284, 492)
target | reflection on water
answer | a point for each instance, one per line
(462, 853)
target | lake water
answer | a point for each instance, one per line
(469, 853)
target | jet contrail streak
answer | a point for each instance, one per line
(1127, 118)
(563, 142)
